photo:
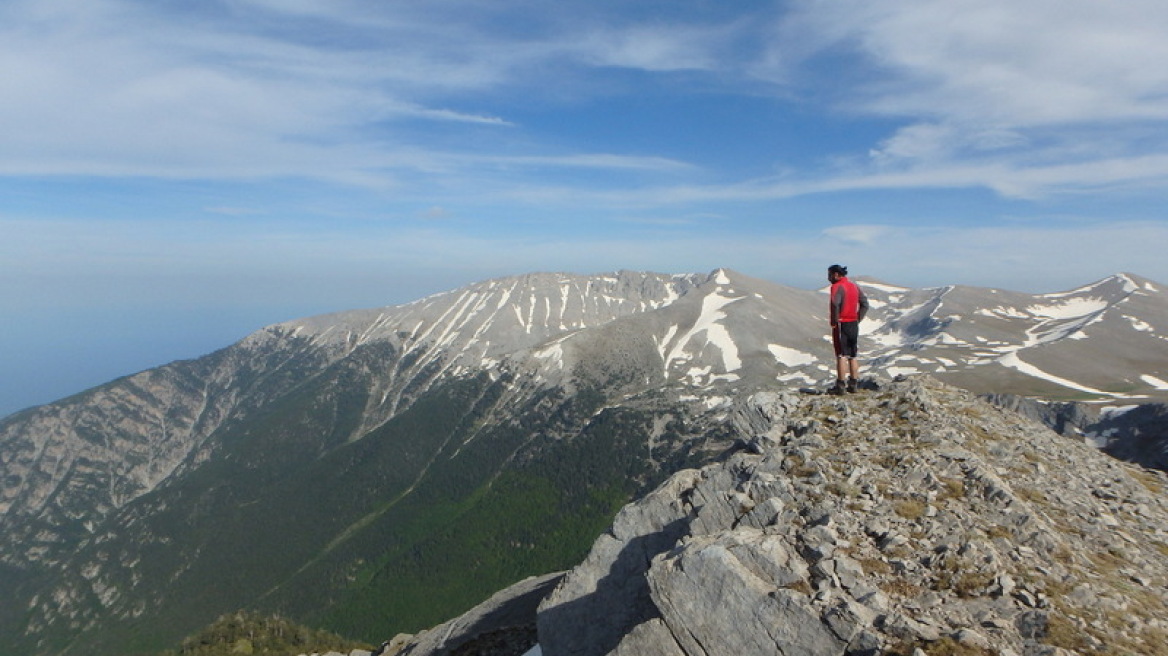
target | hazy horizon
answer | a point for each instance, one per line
(107, 352)
(175, 176)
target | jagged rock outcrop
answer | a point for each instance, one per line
(1135, 433)
(1138, 434)
(912, 517)
(1063, 417)
(503, 624)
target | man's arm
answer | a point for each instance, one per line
(837, 302)
(863, 304)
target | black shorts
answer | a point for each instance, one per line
(846, 338)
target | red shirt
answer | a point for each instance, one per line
(848, 302)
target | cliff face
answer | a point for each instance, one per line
(1135, 433)
(914, 516)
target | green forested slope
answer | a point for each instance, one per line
(469, 490)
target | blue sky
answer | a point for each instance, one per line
(174, 175)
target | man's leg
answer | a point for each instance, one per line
(841, 365)
(850, 333)
(841, 375)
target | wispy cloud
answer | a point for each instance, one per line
(857, 234)
(657, 48)
(118, 88)
(1026, 99)
(122, 85)
(993, 62)
(1047, 94)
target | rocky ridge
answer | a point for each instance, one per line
(914, 518)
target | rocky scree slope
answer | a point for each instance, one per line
(912, 519)
(916, 516)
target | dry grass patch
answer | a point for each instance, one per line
(900, 551)
(950, 647)
(1062, 632)
(844, 490)
(874, 566)
(1107, 562)
(910, 509)
(1110, 632)
(888, 460)
(797, 466)
(1058, 589)
(998, 531)
(958, 576)
(1155, 642)
(901, 588)
(944, 647)
(1151, 481)
(981, 434)
(801, 586)
(1063, 554)
(1031, 495)
(954, 488)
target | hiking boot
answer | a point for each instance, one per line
(837, 389)
(852, 385)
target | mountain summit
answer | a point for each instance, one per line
(914, 518)
(491, 430)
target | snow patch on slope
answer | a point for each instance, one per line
(1002, 312)
(891, 289)
(1071, 309)
(790, 357)
(552, 354)
(1155, 382)
(1012, 361)
(1139, 324)
(716, 334)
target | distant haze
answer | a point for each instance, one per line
(174, 176)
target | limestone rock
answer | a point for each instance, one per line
(503, 624)
(913, 515)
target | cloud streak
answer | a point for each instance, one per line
(1026, 99)
(1031, 64)
(1023, 99)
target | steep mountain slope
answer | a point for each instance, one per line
(492, 429)
(112, 444)
(910, 519)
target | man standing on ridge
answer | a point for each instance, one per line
(847, 309)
